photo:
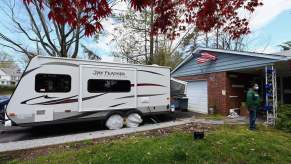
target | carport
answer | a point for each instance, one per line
(274, 82)
(222, 82)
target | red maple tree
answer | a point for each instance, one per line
(171, 14)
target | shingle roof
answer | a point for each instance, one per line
(12, 70)
(244, 53)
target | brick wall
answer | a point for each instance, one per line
(217, 83)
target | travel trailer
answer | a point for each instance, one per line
(57, 90)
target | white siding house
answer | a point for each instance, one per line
(9, 76)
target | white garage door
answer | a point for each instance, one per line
(197, 96)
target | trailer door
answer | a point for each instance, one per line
(107, 88)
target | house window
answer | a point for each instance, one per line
(98, 85)
(52, 83)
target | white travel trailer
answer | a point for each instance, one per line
(56, 90)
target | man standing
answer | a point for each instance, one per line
(253, 104)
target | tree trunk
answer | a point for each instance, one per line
(145, 39)
(151, 37)
(217, 38)
(206, 40)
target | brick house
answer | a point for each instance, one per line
(222, 83)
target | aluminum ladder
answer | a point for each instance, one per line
(271, 94)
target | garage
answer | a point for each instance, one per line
(197, 96)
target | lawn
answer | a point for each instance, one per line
(6, 90)
(224, 144)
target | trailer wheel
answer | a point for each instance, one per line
(133, 120)
(114, 121)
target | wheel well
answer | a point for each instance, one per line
(134, 111)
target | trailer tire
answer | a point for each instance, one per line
(133, 119)
(114, 121)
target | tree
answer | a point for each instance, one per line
(44, 35)
(5, 60)
(135, 44)
(56, 26)
(164, 57)
(91, 55)
(205, 14)
(132, 38)
(286, 46)
(213, 39)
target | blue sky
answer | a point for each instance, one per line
(270, 25)
(272, 34)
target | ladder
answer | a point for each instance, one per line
(271, 94)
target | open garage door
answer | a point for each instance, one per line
(197, 96)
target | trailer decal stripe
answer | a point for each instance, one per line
(149, 95)
(116, 105)
(151, 72)
(27, 72)
(44, 96)
(60, 101)
(91, 97)
(148, 84)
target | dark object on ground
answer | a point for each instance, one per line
(198, 135)
(283, 120)
(3, 102)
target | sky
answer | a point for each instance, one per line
(270, 26)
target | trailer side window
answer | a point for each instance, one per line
(100, 85)
(52, 83)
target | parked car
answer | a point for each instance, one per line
(3, 102)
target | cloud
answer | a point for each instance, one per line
(267, 49)
(107, 58)
(266, 13)
(105, 44)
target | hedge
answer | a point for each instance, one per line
(284, 118)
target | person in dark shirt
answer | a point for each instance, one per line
(253, 104)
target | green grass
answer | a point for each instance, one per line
(226, 144)
(6, 90)
(212, 117)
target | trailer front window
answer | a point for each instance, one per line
(100, 85)
(52, 83)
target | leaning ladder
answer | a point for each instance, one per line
(271, 94)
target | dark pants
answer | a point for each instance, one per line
(253, 116)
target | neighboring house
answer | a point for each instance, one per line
(9, 76)
(223, 81)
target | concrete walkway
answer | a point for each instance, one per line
(35, 143)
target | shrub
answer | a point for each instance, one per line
(284, 118)
(6, 89)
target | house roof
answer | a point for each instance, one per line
(274, 56)
(12, 70)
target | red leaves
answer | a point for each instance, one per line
(140, 4)
(206, 15)
(85, 13)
